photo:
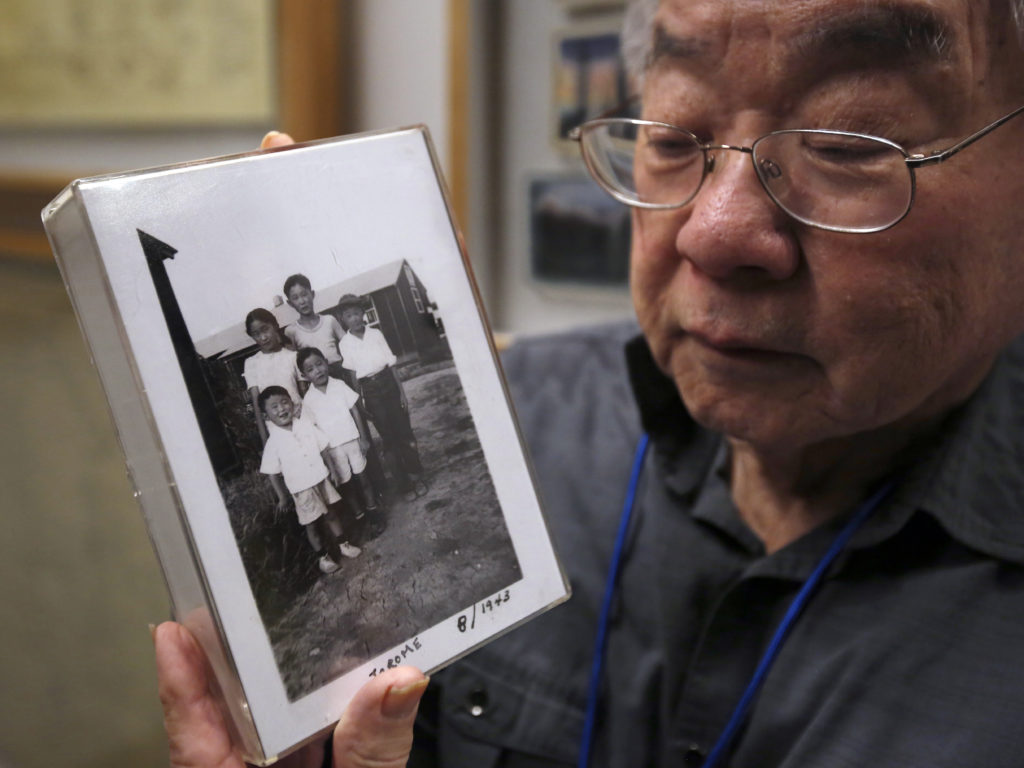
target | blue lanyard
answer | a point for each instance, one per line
(606, 606)
(795, 608)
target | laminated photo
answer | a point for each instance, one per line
(313, 417)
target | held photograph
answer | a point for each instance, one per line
(326, 411)
(351, 471)
(350, 468)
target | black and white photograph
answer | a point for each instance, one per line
(324, 401)
(354, 533)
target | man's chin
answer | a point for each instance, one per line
(758, 421)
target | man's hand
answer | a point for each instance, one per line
(276, 139)
(375, 730)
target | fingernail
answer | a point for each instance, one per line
(152, 630)
(400, 702)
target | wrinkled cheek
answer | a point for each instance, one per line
(653, 262)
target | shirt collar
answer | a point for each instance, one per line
(972, 480)
(298, 425)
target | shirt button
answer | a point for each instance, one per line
(693, 757)
(477, 701)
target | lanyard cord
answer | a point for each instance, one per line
(594, 689)
(739, 714)
(799, 603)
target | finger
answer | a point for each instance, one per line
(376, 729)
(276, 139)
(196, 733)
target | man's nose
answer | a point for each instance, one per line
(733, 226)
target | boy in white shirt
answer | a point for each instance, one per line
(294, 457)
(333, 407)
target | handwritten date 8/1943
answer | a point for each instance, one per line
(468, 621)
(399, 656)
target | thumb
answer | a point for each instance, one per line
(276, 139)
(197, 735)
(376, 729)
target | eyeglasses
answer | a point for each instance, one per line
(833, 180)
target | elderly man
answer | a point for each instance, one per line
(824, 564)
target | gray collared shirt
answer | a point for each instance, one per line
(910, 654)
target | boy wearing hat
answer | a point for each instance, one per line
(366, 353)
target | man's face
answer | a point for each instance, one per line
(786, 336)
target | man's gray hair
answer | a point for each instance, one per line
(638, 34)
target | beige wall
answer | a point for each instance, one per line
(78, 582)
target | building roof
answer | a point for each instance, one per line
(234, 338)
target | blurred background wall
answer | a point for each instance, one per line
(78, 582)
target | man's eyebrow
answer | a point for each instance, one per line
(884, 34)
(668, 46)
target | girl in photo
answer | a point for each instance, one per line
(273, 365)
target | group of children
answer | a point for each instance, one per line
(314, 435)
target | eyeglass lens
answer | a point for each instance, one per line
(825, 178)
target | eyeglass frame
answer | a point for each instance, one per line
(912, 161)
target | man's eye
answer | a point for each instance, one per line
(670, 146)
(845, 150)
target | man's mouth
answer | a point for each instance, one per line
(732, 344)
(741, 349)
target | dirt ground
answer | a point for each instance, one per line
(426, 560)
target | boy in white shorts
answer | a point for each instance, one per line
(333, 407)
(294, 457)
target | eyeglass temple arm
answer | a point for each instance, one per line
(939, 156)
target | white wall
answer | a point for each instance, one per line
(400, 59)
(85, 152)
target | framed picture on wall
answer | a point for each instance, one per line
(103, 66)
(89, 66)
(578, 233)
(589, 76)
